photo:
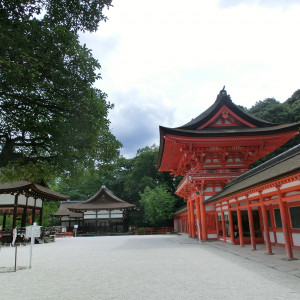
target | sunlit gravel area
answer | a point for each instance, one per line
(139, 267)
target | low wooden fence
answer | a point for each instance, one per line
(150, 230)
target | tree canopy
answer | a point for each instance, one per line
(51, 115)
(158, 205)
(129, 179)
(281, 113)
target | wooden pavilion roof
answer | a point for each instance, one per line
(31, 189)
(104, 199)
(222, 124)
(63, 210)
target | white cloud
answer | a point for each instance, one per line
(180, 54)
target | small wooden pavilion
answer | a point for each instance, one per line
(21, 199)
(102, 213)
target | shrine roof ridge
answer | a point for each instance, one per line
(227, 131)
(224, 99)
(95, 202)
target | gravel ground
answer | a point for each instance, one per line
(139, 267)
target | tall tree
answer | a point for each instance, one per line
(158, 205)
(51, 115)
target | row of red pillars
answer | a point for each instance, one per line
(200, 215)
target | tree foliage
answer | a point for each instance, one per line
(158, 205)
(280, 113)
(127, 179)
(50, 112)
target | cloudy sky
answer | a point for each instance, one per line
(164, 61)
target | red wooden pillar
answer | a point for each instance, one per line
(197, 200)
(285, 227)
(240, 224)
(230, 225)
(193, 218)
(223, 227)
(203, 217)
(189, 217)
(251, 225)
(266, 225)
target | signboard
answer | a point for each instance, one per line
(75, 226)
(33, 231)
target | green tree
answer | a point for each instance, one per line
(158, 205)
(52, 118)
(126, 178)
(49, 208)
(270, 110)
(281, 113)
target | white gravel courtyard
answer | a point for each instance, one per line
(139, 267)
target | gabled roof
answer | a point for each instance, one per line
(64, 211)
(224, 99)
(221, 121)
(285, 164)
(31, 189)
(103, 200)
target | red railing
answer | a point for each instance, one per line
(150, 230)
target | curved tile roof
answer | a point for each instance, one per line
(224, 99)
(103, 200)
(32, 189)
(64, 211)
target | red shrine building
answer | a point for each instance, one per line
(224, 200)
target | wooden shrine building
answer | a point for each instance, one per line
(67, 217)
(23, 199)
(102, 213)
(213, 153)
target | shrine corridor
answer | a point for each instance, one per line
(147, 267)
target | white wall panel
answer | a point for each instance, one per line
(296, 238)
(280, 237)
(211, 235)
(7, 199)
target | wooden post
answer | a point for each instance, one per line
(33, 211)
(109, 221)
(24, 215)
(189, 217)
(198, 215)
(266, 225)
(240, 224)
(96, 221)
(223, 226)
(192, 218)
(83, 223)
(203, 217)
(4, 221)
(230, 225)
(41, 213)
(15, 210)
(285, 227)
(251, 225)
